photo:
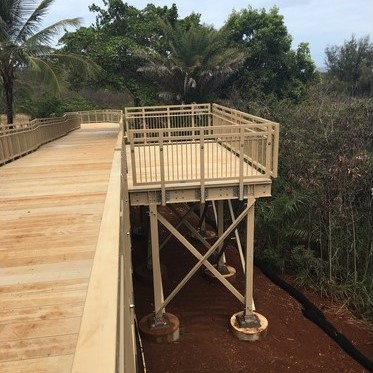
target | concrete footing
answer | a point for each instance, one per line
(160, 334)
(249, 334)
(229, 273)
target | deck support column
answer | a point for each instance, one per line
(249, 325)
(221, 261)
(205, 233)
(156, 266)
(249, 318)
(202, 223)
(159, 327)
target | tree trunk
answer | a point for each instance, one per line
(8, 81)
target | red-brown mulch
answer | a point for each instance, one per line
(204, 307)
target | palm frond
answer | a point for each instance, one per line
(32, 23)
(48, 72)
(196, 64)
(48, 34)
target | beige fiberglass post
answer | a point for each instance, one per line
(159, 326)
(159, 318)
(249, 325)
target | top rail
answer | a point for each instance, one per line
(172, 116)
(101, 116)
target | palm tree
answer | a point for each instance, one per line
(196, 63)
(23, 45)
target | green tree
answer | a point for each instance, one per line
(352, 64)
(114, 41)
(271, 66)
(23, 45)
(195, 64)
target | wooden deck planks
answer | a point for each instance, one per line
(51, 205)
(39, 365)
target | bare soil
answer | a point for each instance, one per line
(204, 308)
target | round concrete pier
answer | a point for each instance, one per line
(249, 334)
(230, 274)
(160, 334)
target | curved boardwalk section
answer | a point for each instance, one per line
(51, 205)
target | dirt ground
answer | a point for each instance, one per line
(204, 307)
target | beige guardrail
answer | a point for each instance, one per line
(178, 144)
(101, 116)
(20, 139)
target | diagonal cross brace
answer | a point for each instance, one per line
(203, 258)
(190, 227)
(182, 221)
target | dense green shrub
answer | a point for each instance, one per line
(49, 105)
(319, 221)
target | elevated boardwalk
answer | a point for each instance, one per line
(51, 206)
(66, 294)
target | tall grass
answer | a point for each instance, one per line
(319, 222)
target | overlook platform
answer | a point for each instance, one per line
(198, 153)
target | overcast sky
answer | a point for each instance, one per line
(320, 23)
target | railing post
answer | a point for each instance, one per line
(133, 163)
(192, 114)
(162, 169)
(269, 160)
(275, 140)
(241, 160)
(202, 165)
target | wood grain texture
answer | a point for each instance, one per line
(96, 347)
(39, 365)
(51, 205)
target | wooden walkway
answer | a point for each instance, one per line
(51, 205)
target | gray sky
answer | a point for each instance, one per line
(320, 23)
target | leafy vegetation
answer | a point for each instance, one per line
(271, 66)
(23, 45)
(114, 42)
(185, 60)
(196, 62)
(352, 66)
(319, 222)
